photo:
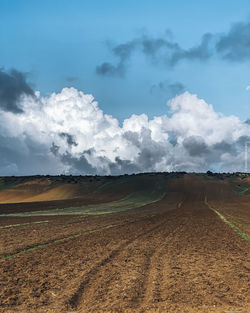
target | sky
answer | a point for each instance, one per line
(113, 87)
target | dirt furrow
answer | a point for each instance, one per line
(152, 292)
(156, 285)
(160, 258)
(144, 274)
(200, 275)
(92, 275)
(127, 277)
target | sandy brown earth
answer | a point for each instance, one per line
(8, 208)
(175, 255)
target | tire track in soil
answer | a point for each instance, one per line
(54, 241)
(85, 285)
(61, 239)
(173, 282)
(201, 272)
(155, 294)
(155, 280)
(152, 293)
(135, 280)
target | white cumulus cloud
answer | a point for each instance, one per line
(67, 132)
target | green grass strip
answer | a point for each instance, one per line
(24, 224)
(236, 230)
(10, 256)
(241, 190)
(133, 201)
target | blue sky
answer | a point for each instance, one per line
(132, 57)
(56, 40)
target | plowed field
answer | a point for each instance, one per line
(171, 254)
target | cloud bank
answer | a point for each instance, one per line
(67, 132)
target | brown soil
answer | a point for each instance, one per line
(35, 195)
(161, 258)
(6, 208)
(235, 208)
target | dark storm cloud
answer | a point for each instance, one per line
(151, 152)
(54, 149)
(24, 156)
(211, 155)
(170, 53)
(145, 161)
(224, 147)
(69, 138)
(122, 166)
(12, 86)
(232, 46)
(108, 69)
(78, 165)
(151, 155)
(195, 145)
(132, 137)
(123, 52)
(235, 45)
(242, 140)
(159, 50)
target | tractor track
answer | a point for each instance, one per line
(91, 275)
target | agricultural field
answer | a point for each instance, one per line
(163, 242)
